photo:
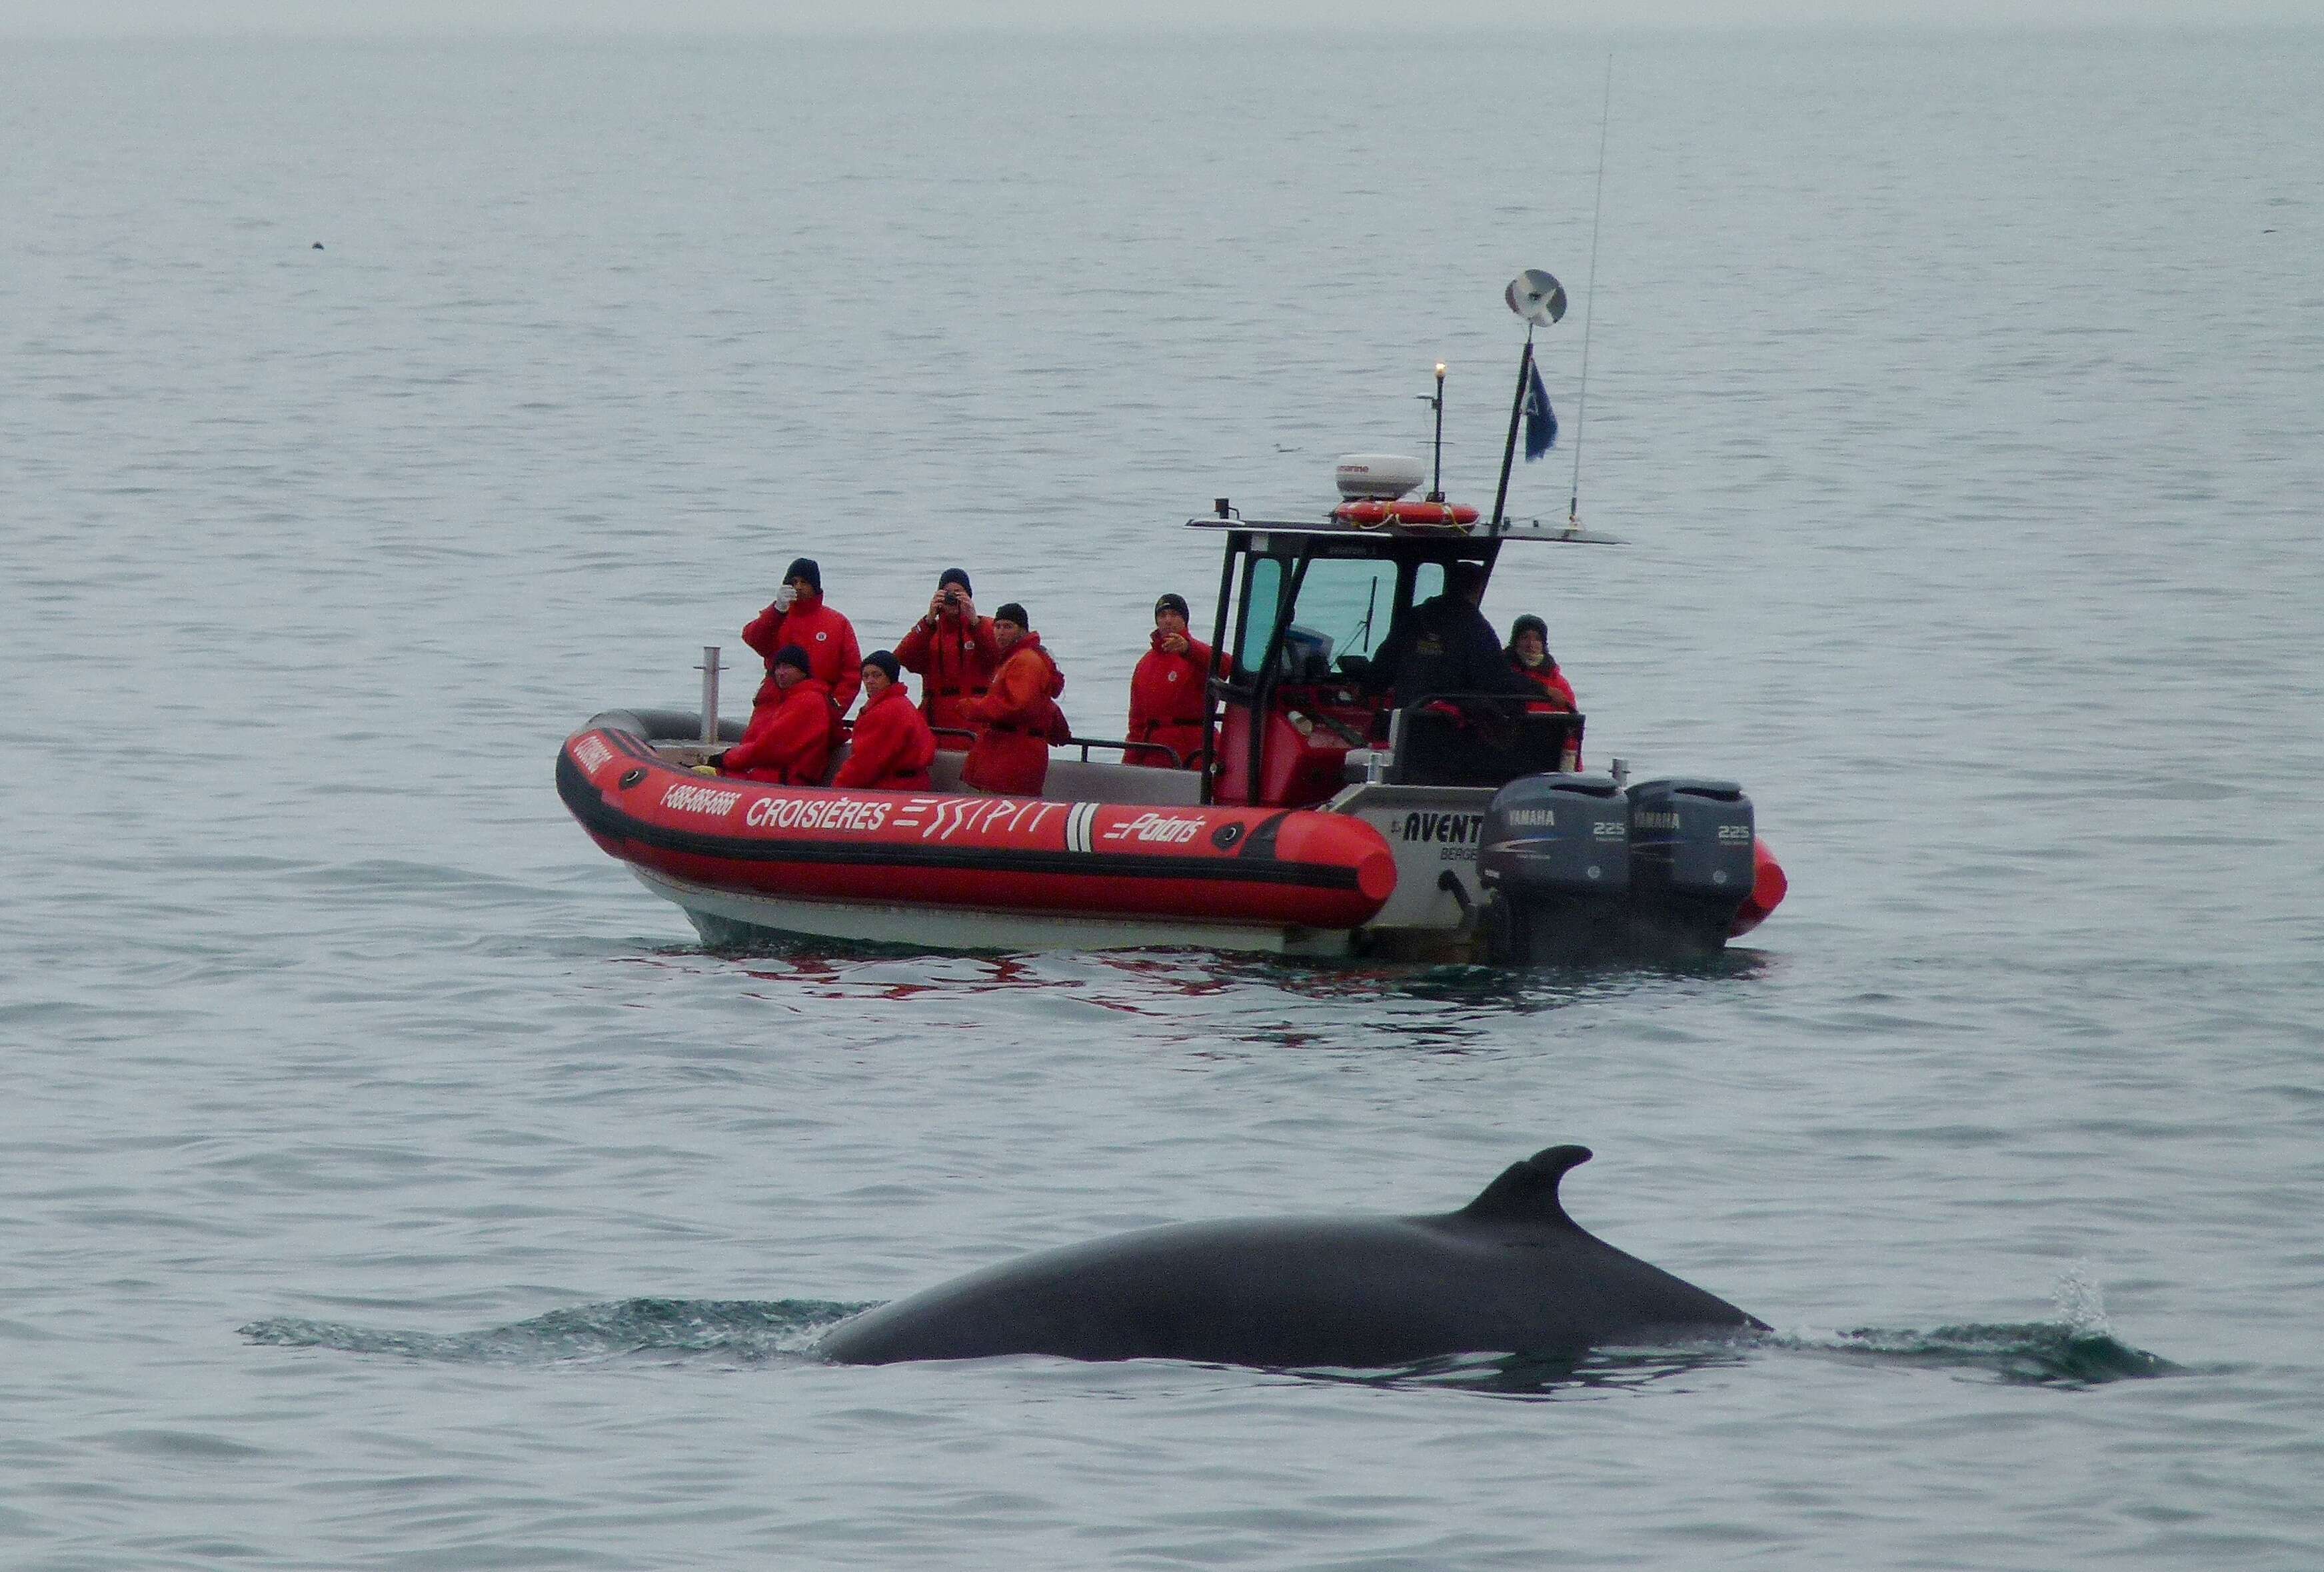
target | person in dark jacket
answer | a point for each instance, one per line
(893, 746)
(1445, 645)
(1529, 657)
(789, 739)
(952, 651)
(799, 615)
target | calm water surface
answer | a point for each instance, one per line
(389, 1181)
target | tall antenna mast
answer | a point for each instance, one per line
(1589, 301)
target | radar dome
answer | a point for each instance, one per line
(1378, 476)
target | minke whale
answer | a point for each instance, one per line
(1508, 1273)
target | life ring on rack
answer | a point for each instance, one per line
(1457, 515)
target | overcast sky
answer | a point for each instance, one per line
(102, 17)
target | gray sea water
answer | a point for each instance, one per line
(391, 1182)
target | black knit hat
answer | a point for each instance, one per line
(887, 661)
(1176, 603)
(1527, 624)
(804, 567)
(791, 656)
(956, 575)
(1012, 613)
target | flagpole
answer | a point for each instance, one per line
(1516, 409)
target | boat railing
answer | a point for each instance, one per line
(1126, 746)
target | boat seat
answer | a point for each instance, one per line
(1076, 780)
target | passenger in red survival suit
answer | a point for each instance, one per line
(954, 653)
(1167, 692)
(1529, 657)
(893, 746)
(799, 615)
(789, 739)
(1019, 716)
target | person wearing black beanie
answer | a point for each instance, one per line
(953, 652)
(892, 747)
(1018, 719)
(799, 615)
(793, 727)
(1169, 692)
(1529, 657)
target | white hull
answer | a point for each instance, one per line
(719, 914)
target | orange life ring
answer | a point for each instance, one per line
(1460, 514)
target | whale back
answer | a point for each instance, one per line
(1509, 1273)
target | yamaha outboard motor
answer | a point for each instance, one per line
(1555, 861)
(1691, 865)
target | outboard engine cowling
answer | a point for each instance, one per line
(1691, 863)
(1555, 862)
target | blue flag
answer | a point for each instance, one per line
(1541, 420)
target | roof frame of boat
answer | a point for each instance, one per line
(1511, 531)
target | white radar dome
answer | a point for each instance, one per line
(1378, 476)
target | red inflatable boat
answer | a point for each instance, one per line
(1341, 800)
(950, 868)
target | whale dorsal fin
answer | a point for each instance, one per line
(1527, 1192)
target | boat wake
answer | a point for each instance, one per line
(740, 1331)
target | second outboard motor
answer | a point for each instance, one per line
(1691, 863)
(1555, 861)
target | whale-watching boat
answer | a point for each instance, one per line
(1321, 816)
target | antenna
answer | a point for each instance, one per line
(1437, 403)
(1589, 302)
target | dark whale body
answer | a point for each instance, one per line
(1509, 1274)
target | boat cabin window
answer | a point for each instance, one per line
(1346, 605)
(1262, 598)
(1345, 608)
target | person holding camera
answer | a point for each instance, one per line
(799, 615)
(1169, 690)
(953, 651)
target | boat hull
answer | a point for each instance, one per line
(959, 870)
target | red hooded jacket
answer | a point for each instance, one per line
(1167, 702)
(1550, 680)
(893, 746)
(788, 741)
(1015, 722)
(955, 659)
(828, 639)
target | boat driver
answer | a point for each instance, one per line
(1445, 645)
